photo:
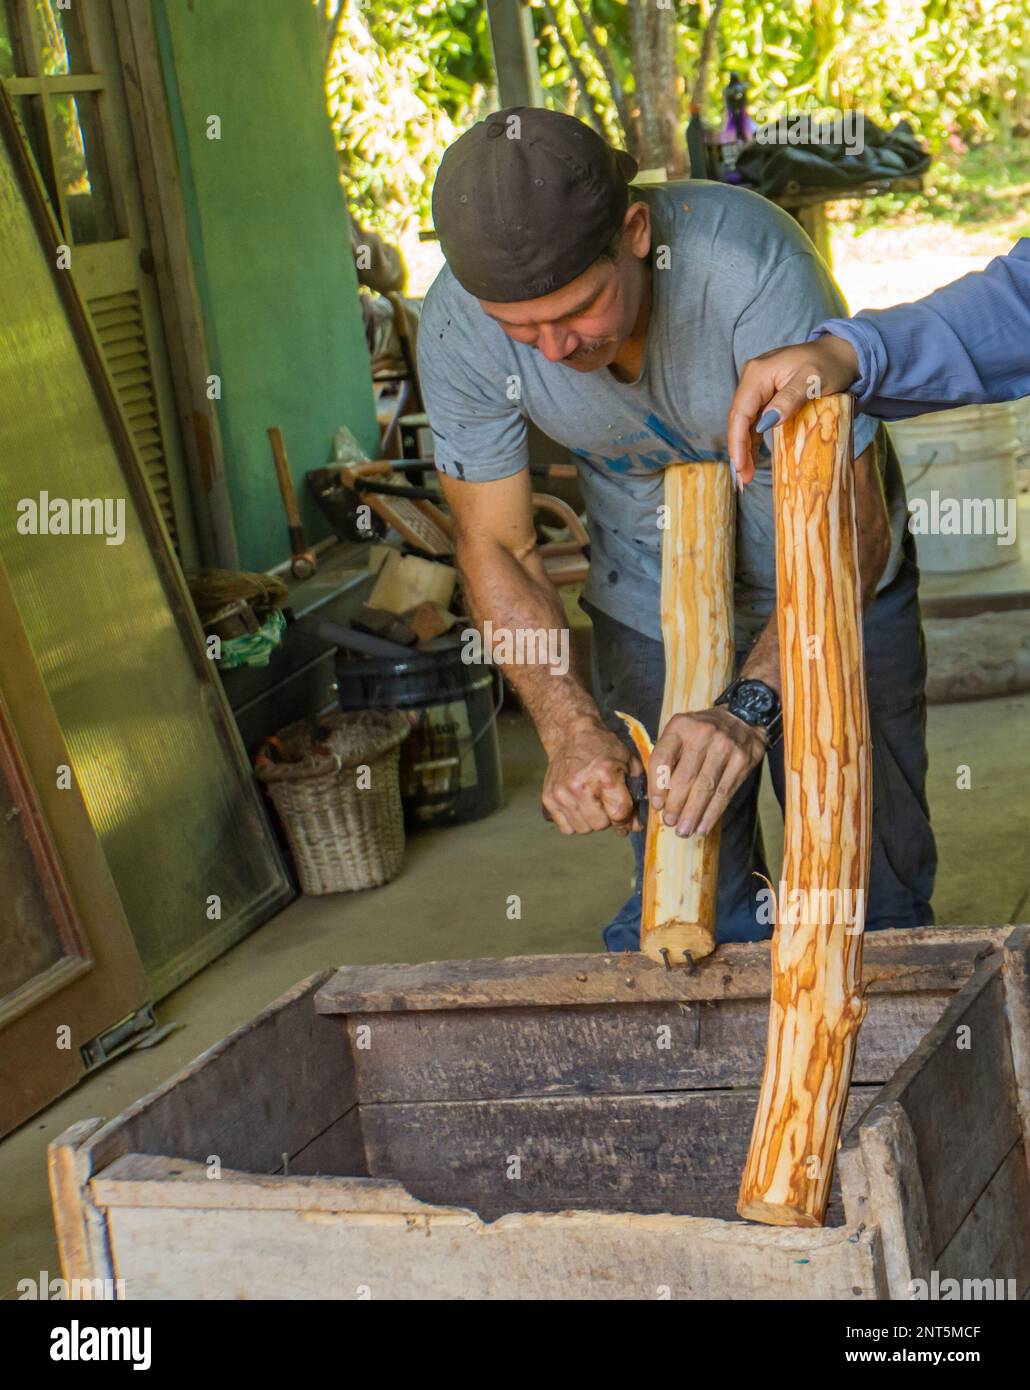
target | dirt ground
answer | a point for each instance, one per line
(893, 265)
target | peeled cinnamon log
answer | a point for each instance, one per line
(697, 628)
(817, 1005)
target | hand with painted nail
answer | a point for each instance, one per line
(773, 387)
(698, 764)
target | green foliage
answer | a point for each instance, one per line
(983, 190)
(948, 66)
(404, 79)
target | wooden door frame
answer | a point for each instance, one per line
(186, 340)
(101, 980)
(45, 87)
(75, 958)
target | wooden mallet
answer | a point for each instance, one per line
(302, 560)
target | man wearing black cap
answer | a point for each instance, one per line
(617, 320)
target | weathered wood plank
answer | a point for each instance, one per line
(609, 1049)
(993, 1241)
(896, 1195)
(81, 1231)
(931, 958)
(269, 1088)
(1015, 972)
(422, 1254)
(146, 1180)
(854, 1185)
(670, 1152)
(338, 1150)
(958, 1091)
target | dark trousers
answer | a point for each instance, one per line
(629, 674)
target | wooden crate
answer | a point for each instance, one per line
(564, 1127)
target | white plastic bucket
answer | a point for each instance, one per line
(959, 468)
(1021, 421)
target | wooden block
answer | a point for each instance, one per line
(429, 620)
(389, 626)
(405, 581)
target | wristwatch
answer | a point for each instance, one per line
(757, 704)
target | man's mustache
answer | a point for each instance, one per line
(588, 350)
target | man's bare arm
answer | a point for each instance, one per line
(506, 582)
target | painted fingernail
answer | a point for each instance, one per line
(770, 418)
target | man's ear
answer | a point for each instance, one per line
(636, 229)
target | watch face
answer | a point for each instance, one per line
(754, 701)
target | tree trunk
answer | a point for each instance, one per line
(652, 42)
(817, 1006)
(670, 105)
(697, 627)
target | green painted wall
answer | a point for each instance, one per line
(271, 248)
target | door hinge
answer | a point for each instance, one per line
(119, 1038)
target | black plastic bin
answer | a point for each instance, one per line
(451, 763)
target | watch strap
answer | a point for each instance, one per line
(773, 726)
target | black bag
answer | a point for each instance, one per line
(774, 169)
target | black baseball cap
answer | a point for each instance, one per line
(527, 200)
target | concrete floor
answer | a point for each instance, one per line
(450, 902)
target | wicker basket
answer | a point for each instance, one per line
(345, 828)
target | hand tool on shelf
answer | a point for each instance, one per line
(302, 560)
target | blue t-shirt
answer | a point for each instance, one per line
(733, 276)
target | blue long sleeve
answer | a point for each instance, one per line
(968, 343)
